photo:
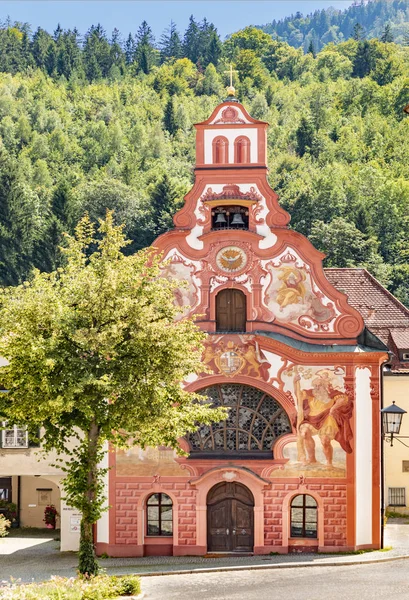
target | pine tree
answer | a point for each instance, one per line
(169, 117)
(387, 35)
(97, 53)
(358, 32)
(40, 47)
(164, 204)
(116, 53)
(305, 136)
(170, 43)
(214, 49)
(311, 49)
(191, 41)
(269, 95)
(364, 60)
(130, 47)
(145, 52)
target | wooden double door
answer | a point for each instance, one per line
(230, 518)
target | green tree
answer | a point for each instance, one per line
(170, 43)
(311, 49)
(364, 60)
(97, 53)
(95, 355)
(145, 51)
(343, 244)
(191, 41)
(212, 83)
(169, 117)
(387, 35)
(305, 136)
(358, 32)
(165, 200)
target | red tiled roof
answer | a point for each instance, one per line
(383, 314)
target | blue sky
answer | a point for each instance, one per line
(228, 16)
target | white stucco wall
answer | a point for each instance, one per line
(363, 458)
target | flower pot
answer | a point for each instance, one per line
(50, 525)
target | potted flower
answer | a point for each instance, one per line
(10, 512)
(50, 516)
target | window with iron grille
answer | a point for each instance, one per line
(15, 437)
(254, 422)
(396, 496)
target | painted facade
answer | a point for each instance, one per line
(296, 464)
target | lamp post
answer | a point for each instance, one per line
(391, 422)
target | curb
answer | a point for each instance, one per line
(273, 566)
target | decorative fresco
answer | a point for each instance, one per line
(323, 430)
(236, 355)
(186, 296)
(151, 462)
(292, 297)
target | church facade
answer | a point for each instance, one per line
(296, 465)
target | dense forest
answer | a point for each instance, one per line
(368, 17)
(105, 122)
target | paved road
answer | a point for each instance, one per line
(358, 582)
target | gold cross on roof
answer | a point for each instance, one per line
(230, 90)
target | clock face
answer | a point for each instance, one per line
(231, 259)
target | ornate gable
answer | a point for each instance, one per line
(232, 233)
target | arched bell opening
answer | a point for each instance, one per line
(230, 217)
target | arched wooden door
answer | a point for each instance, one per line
(230, 518)
(231, 311)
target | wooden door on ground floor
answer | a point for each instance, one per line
(230, 518)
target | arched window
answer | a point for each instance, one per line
(159, 515)
(242, 150)
(254, 422)
(303, 516)
(220, 151)
(231, 310)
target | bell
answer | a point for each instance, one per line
(220, 219)
(237, 219)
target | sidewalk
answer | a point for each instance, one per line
(38, 558)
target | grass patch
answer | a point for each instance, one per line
(356, 552)
(101, 587)
(393, 514)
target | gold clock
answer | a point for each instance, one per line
(231, 259)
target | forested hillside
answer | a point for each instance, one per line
(375, 18)
(85, 127)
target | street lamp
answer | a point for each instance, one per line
(391, 421)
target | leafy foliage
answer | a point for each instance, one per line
(4, 526)
(102, 587)
(95, 355)
(123, 139)
(386, 19)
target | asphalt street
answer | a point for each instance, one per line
(357, 582)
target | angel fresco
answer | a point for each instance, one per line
(292, 289)
(289, 295)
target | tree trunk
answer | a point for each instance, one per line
(88, 564)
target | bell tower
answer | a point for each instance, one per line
(232, 234)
